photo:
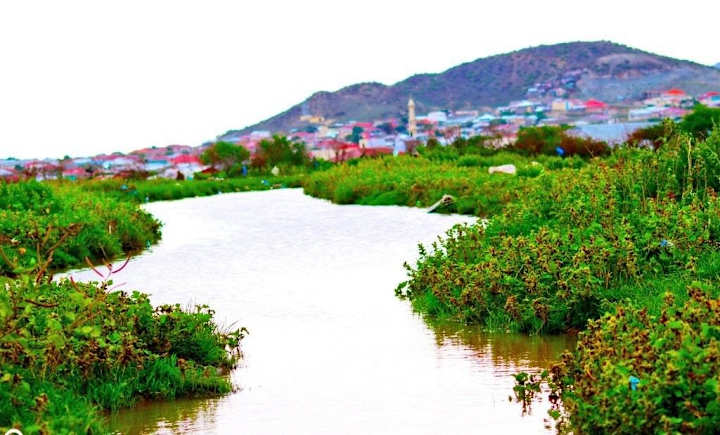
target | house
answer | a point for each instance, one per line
(710, 99)
(593, 105)
(75, 173)
(645, 113)
(154, 165)
(560, 105)
(9, 175)
(437, 117)
(187, 165)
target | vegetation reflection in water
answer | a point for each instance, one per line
(171, 416)
(505, 352)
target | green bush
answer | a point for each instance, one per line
(34, 214)
(68, 350)
(558, 257)
(633, 372)
(417, 181)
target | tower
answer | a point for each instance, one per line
(412, 125)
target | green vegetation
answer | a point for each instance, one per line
(634, 372)
(421, 181)
(552, 140)
(106, 221)
(579, 241)
(281, 152)
(700, 121)
(139, 191)
(69, 350)
(32, 216)
(225, 156)
(623, 246)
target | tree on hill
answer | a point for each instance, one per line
(224, 155)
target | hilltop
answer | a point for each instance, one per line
(602, 69)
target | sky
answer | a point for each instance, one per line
(86, 77)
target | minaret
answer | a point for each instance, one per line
(412, 126)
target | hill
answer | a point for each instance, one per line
(602, 69)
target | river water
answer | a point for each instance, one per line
(331, 350)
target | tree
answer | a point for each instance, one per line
(354, 137)
(701, 121)
(224, 155)
(387, 127)
(280, 151)
(539, 140)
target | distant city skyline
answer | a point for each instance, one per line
(83, 77)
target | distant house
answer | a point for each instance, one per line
(437, 117)
(155, 165)
(593, 105)
(560, 105)
(645, 113)
(9, 175)
(188, 165)
(75, 173)
(710, 99)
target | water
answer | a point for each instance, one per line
(331, 350)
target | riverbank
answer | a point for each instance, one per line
(71, 350)
(96, 219)
(629, 239)
(315, 280)
(422, 181)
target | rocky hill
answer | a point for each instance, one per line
(603, 70)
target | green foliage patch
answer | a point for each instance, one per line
(69, 350)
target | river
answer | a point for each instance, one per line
(331, 350)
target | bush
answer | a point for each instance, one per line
(34, 214)
(70, 349)
(554, 140)
(558, 257)
(672, 359)
(701, 121)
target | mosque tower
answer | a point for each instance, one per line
(412, 125)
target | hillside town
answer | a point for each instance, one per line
(545, 104)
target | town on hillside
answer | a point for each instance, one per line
(545, 104)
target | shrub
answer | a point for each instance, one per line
(69, 349)
(637, 373)
(556, 258)
(553, 140)
(32, 214)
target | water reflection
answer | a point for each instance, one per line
(501, 349)
(183, 415)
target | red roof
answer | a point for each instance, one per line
(185, 158)
(675, 91)
(75, 171)
(364, 125)
(595, 104)
(708, 95)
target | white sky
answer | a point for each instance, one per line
(85, 77)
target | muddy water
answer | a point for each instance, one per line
(330, 350)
